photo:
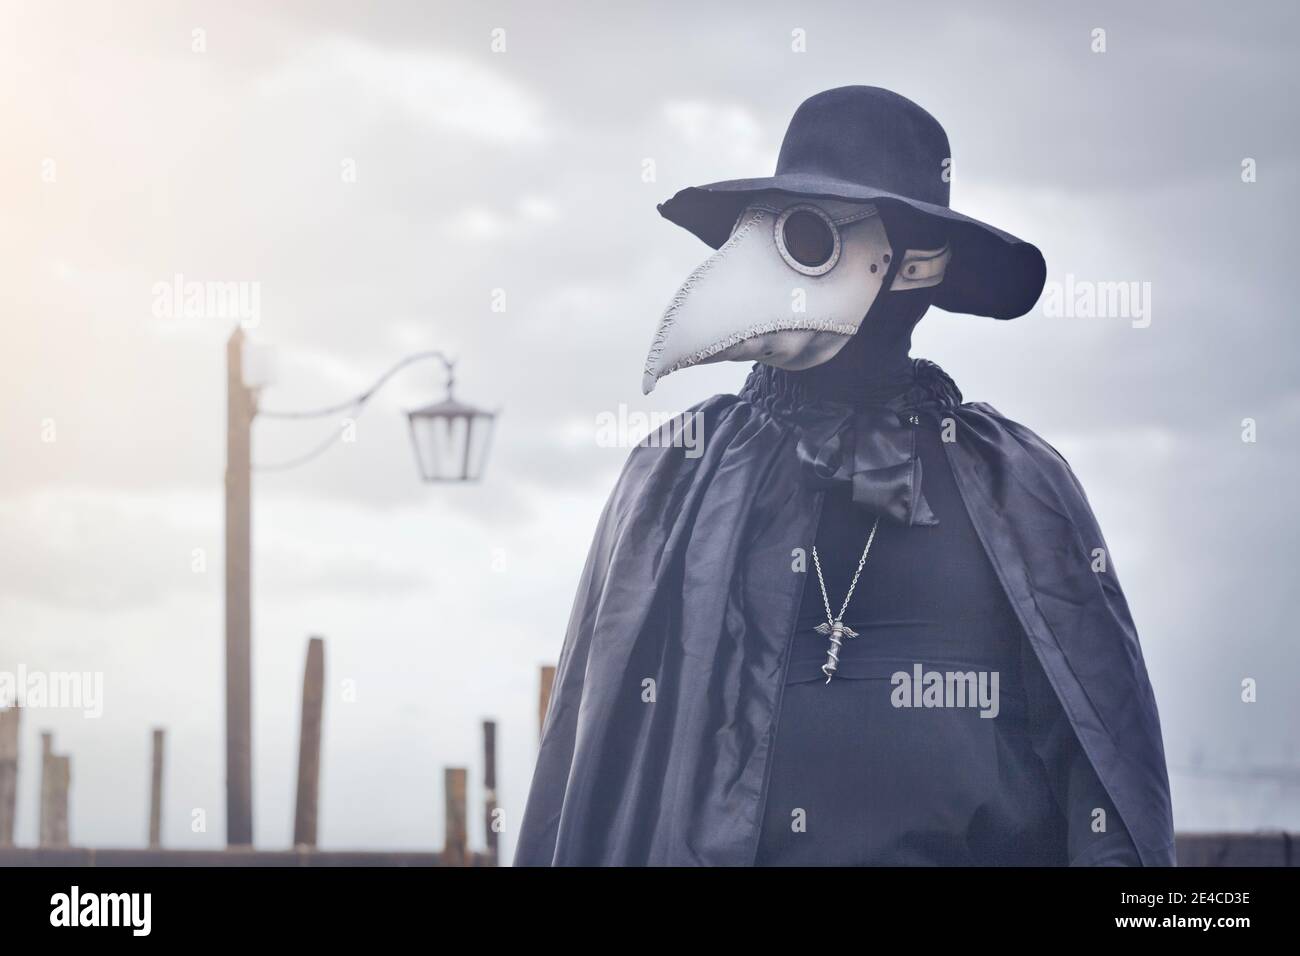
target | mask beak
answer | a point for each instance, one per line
(752, 300)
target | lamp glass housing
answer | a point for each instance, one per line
(451, 440)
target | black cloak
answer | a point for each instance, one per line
(657, 742)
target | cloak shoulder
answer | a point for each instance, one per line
(1039, 531)
(655, 744)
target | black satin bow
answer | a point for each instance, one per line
(868, 444)
(873, 449)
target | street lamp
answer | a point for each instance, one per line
(450, 438)
(451, 444)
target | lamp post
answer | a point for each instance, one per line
(450, 440)
(240, 408)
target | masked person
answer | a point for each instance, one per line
(864, 623)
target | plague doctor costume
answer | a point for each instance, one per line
(872, 616)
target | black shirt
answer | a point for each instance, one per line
(859, 779)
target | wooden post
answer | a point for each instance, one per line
(455, 843)
(9, 721)
(47, 750)
(240, 409)
(490, 790)
(56, 776)
(155, 791)
(309, 737)
(548, 680)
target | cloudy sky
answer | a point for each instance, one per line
(385, 176)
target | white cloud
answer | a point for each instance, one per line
(487, 223)
(78, 547)
(728, 133)
(450, 92)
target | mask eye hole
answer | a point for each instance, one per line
(807, 239)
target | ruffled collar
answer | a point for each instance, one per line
(927, 387)
(866, 440)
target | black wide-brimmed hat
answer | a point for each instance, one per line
(862, 143)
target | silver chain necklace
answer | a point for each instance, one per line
(834, 628)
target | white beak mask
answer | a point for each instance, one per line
(789, 288)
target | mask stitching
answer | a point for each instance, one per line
(866, 212)
(670, 314)
(776, 325)
(856, 217)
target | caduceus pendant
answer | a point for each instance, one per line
(836, 631)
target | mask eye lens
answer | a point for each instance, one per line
(807, 240)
